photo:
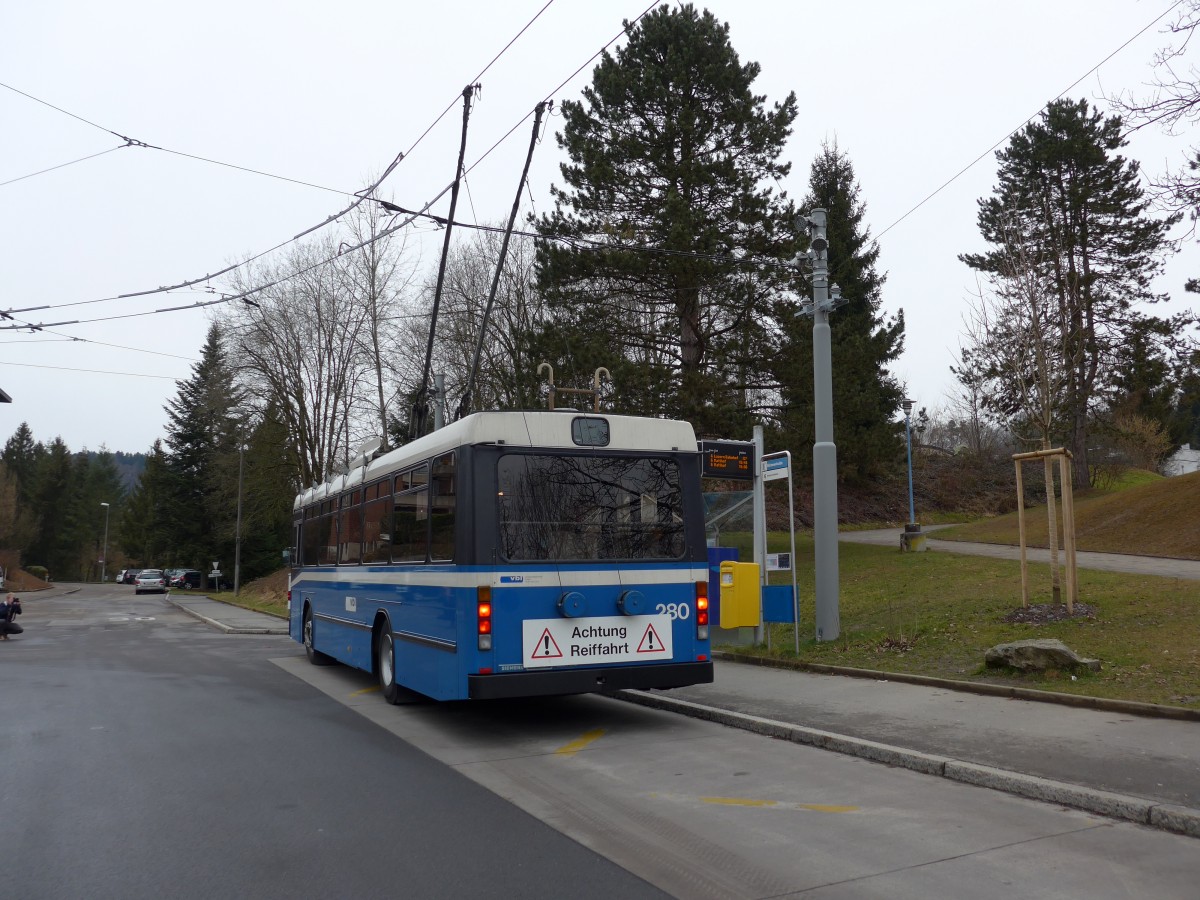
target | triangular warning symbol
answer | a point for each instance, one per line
(546, 647)
(651, 642)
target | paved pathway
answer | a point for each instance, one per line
(1105, 562)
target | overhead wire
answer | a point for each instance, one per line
(1008, 136)
(64, 165)
(360, 196)
(88, 371)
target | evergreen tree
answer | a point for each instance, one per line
(865, 397)
(1075, 207)
(54, 543)
(145, 533)
(202, 426)
(270, 490)
(102, 485)
(665, 244)
(22, 458)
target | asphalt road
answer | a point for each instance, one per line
(147, 755)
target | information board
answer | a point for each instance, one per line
(727, 459)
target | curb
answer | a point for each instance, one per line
(1131, 707)
(228, 629)
(1165, 816)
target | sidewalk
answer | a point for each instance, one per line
(1084, 559)
(1106, 760)
(227, 617)
(1110, 762)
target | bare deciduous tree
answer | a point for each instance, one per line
(300, 344)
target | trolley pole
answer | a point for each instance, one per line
(825, 516)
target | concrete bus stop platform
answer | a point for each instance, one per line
(227, 617)
(1113, 759)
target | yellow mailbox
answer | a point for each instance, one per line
(741, 593)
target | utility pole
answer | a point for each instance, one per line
(237, 534)
(825, 515)
(104, 555)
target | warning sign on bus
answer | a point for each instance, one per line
(596, 640)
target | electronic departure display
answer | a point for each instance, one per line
(727, 459)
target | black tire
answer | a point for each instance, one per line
(315, 656)
(385, 670)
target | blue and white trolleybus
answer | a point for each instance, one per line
(511, 554)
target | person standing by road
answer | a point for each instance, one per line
(9, 610)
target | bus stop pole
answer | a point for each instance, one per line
(760, 525)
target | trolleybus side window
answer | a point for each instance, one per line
(350, 529)
(589, 507)
(327, 534)
(311, 540)
(443, 500)
(410, 522)
(377, 522)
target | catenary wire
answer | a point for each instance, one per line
(991, 149)
(89, 371)
(361, 195)
(63, 165)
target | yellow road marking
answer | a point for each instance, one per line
(576, 745)
(738, 801)
(746, 801)
(369, 690)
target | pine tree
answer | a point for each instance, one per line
(202, 426)
(1074, 206)
(665, 245)
(145, 533)
(866, 398)
(54, 498)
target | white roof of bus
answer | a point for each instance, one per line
(517, 429)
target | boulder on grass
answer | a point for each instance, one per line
(1038, 655)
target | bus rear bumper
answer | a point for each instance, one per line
(586, 681)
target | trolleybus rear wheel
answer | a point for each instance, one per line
(385, 667)
(315, 656)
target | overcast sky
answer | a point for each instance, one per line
(329, 93)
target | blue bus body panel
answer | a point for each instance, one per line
(432, 614)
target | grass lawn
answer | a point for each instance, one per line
(1148, 516)
(936, 614)
(265, 595)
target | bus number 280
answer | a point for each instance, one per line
(674, 610)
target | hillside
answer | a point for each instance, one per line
(1155, 518)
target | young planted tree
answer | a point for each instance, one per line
(662, 253)
(1081, 217)
(866, 397)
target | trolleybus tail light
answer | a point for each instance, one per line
(483, 612)
(702, 610)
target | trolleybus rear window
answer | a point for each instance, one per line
(589, 508)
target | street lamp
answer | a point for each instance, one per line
(912, 539)
(104, 555)
(237, 534)
(907, 406)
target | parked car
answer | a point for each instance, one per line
(129, 575)
(191, 579)
(150, 581)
